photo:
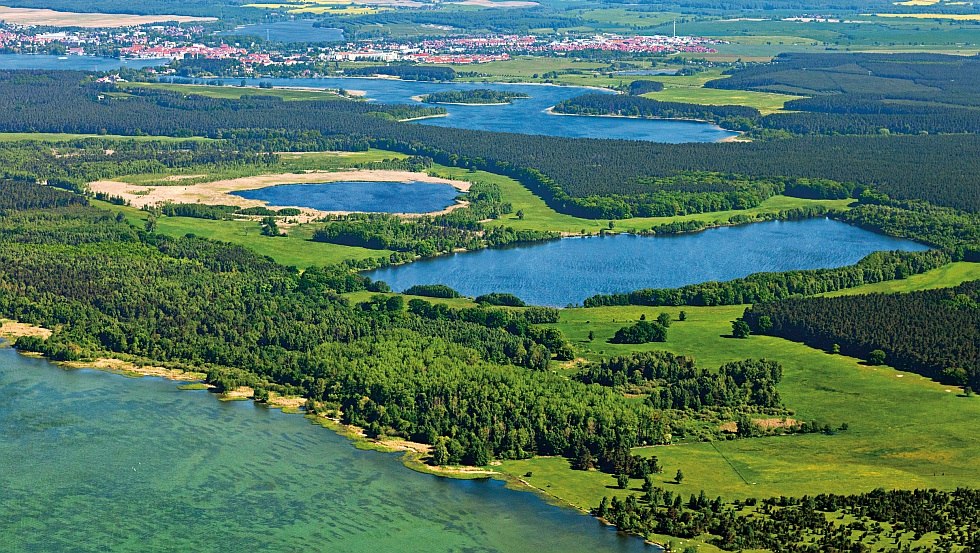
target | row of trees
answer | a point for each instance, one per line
(863, 522)
(761, 287)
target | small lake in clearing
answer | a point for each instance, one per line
(93, 461)
(568, 271)
(365, 196)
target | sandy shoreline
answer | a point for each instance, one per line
(220, 192)
(423, 117)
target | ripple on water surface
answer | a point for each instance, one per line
(91, 461)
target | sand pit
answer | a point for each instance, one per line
(219, 192)
(34, 16)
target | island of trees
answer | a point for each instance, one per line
(480, 96)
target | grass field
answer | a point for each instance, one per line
(295, 249)
(676, 88)
(238, 92)
(538, 216)
(905, 430)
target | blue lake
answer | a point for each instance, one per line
(73, 63)
(366, 196)
(91, 461)
(299, 30)
(526, 116)
(565, 271)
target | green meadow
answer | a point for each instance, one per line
(538, 216)
(904, 431)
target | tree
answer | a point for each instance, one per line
(765, 324)
(740, 328)
(876, 357)
(664, 319)
(440, 453)
(682, 316)
(591, 335)
(679, 477)
(520, 214)
(622, 480)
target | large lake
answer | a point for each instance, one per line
(567, 271)
(73, 63)
(91, 461)
(364, 196)
(527, 116)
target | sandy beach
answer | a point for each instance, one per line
(220, 192)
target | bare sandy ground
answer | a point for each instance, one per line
(219, 192)
(12, 330)
(33, 16)
(125, 367)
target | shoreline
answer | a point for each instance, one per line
(419, 98)
(423, 117)
(413, 453)
(551, 111)
(219, 192)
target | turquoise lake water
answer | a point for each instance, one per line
(560, 272)
(92, 461)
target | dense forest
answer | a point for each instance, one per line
(762, 287)
(810, 524)
(674, 382)
(477, 96)
(108, 287)
(941, 169)
(729, 117)
(935, 333)
(868, 93)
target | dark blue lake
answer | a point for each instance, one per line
(526, 116)
(299, 30)
(367, 196)
(91, 461)
(569, 270)
(73, 63)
